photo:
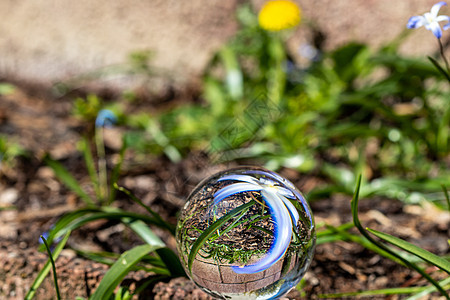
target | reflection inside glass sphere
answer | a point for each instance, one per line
(246, 233)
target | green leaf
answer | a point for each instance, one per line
(413, 249)
(211, 229)
(429, 289)
(234, 75)
(119, 270)
(446, 196)
(67, 178)
(168, 257)
(354, 207)
(157, 217)
(44, 271)
(390, 291)
(116, 171)
(440, 69)
(7, 89)
(55, 277)
(144, 232)
(90, 165)
(83, 216)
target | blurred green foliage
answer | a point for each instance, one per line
(348, 111)
(9, 151)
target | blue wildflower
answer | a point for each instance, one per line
(430, 20)
(105, 118)
(46, 235)
(283, 212)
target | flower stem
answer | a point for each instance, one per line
(103, 180)
(441, 50)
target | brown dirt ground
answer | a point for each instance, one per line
(43, 124)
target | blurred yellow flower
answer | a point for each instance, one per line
(278, 15)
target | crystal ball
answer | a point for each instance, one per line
(246, 233)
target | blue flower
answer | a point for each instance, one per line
(46, 235)
(430, 20)
(283, 212)
(105, 118)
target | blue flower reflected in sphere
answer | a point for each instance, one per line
(246, 233)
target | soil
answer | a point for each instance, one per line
(35, 200)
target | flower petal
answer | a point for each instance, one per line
(234, 189)
(105, 118)
(292, 210)
(444, 18)
(244, 178)
(435, 9)
(435, 28)
(282, 235)
(415, 22)
(446, 26)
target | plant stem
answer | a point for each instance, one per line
(441, 50)
(102, 176)
(354, 208)
(55, 277)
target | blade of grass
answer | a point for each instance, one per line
(413, 249)
(354, 207)
(68, 180)
(90, 165)
(446, 196)
(390, 291)
(61, 225)
(427, 290)
(211, 229)
(55, 277)
(144, 232)
(169, 258)
(163, 223)
(101, 162)
(116, 172)
(44, 271)
(440, 69)
(119, 270)
(154, 264)
(81, 219)
(341, 234)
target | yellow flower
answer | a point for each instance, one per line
(278, 15)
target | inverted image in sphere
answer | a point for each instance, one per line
(246, 233)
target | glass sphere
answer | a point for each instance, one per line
(246, 233)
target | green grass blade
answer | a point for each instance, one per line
(151, 263)
(427, 290)
(61, 226)
(446, 196)
(67, 178)
(44, 271)
(344, 235)
(169, 258)
(211, 229)
(157, 217)
(144, 232)
(439, 68)
(90, 165)
(391, 291)
(172, 262)
(55, 277)
(116, 172)
(413, 249)
(354, 207)
(83, 216)
(119, 270)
